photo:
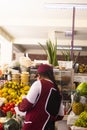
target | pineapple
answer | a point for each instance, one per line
(77, 106)
(85, 107)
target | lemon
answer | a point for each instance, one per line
(5, 90)
(10, 90)
(14, 94)
(26, 88)
(4, 95)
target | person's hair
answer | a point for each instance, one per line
(50, 75)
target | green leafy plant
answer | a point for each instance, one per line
(66, 55)
(51, 52)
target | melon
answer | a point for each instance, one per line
(82, 88)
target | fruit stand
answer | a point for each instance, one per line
(11, 93)
(14, 86)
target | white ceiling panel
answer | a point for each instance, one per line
(28, 21)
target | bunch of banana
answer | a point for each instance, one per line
(82, 68)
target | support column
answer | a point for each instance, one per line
(72, 40)
(6, 51)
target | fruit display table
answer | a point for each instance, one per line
(11, 93)
(77, 128)
(62, 125)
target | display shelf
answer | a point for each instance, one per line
(80, 77)
(64, 79)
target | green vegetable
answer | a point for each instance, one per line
(66, 55)
(82, 88)
(11, 124)
(9, 114)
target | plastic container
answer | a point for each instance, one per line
(16, 77)
(25, 77)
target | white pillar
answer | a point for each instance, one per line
(6, 51)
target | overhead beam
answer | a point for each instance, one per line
(18, 48)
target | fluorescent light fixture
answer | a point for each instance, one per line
(69, 33)
(65, 6)
(69, 48)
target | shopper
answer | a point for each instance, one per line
(38, 105)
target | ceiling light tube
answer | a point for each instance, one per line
(65, 6)
(69, 48)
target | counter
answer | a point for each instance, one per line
(80, 77)
(62, 125)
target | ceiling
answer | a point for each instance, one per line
(29, 22)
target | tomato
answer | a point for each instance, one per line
(6, 104)
(0, 107)
(14, 112)
(12, 109)
(1, 126)
(8, 108)
(4, 109)
(12, 104)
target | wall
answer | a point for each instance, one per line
(81, 59)
(40, 55)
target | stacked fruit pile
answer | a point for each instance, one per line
(11, 94)
(13, 91)
(8, 117)
(79, 105)
(10, 121)
(82, 120)
(82, 68)
(7, 109)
